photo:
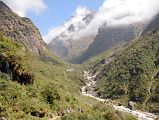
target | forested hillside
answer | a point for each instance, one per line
(134, 74)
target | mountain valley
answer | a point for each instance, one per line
(110, 75)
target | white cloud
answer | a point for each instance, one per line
(118, 12)
(112, 13)
(76, 20)
(21, 7)
(81, 11)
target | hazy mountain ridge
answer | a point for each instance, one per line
(109, 37)
(113, 15)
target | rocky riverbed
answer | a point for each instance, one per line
(88, 90)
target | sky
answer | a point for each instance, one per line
(58, 12)
(49, 15)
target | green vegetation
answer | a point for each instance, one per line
(48, 89)
(134, 74)
(98, 112)
(12, 60)
(96, 63)
(36, 85)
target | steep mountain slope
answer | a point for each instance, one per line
(154, 25)
(42, 84)
(133, 74)
(20, 29)
(109, 37)
(68, 43)
(35, 89)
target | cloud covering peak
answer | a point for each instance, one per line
(127, 11)
(21, 7)
(72, 27)
(113, 13)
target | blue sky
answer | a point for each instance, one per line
(58, 11)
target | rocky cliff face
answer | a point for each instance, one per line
(109, 37)
(20, 29)
(69, 44)
(71, 48)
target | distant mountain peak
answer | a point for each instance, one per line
(78, 21)
(68, 36)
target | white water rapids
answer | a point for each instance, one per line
(140, 115)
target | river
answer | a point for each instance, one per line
(140, 115)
